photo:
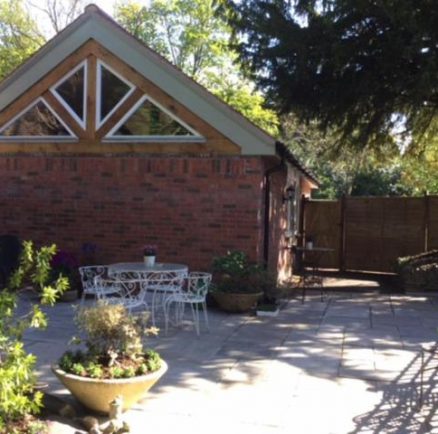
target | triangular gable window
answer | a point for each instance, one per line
(148, 120)
(37, 121)
(112, 91)
(71, 91)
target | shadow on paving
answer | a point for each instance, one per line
(307, 356)
(399, 410)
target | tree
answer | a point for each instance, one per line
(345, 170)
(19, 35)
(186, 32)
(367, 68)
(193, 36)
(59, 12)
(420, 170)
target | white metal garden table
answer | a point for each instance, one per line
(160, 279)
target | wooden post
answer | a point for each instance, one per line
(301, 229)
(426, 222)
(298, 262)
(342, 204)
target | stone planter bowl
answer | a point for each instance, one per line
(96, 394)
(236, 302)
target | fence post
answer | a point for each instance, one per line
(426, 222)
(342, 234)
(300, 235)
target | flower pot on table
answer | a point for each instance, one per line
(149, 261)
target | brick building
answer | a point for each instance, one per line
(103, 141)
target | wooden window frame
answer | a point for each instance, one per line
(36, 139)
(81, 122)
(110, 137)
(98, 89)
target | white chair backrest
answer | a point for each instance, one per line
(90, 273)
(198, 283)
(169, 281)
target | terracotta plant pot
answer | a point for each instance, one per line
(236, 302)
(96, 394)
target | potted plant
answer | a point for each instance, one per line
(65, 264)
(89, 254)
(113, 362)
(238, 285)
(149, 254)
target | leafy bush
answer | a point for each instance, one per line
(233, 273)
(18, 397)
(65, 264)
(113, 339)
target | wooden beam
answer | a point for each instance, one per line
(91, 97)
(119, 113)
(44, 84)
(216, 143)
(85, 146)
(166, 100)
(69, 120)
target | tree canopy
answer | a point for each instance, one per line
(194, 36)
(368, 68)
(19, 35)
(346, 170)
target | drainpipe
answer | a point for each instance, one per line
(266, 231)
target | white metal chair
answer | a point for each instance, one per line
(130, 290)
(90, 276)
(193, 293)
(161, 285)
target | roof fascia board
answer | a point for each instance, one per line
(251, 139)
(47, 58)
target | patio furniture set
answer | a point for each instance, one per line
(155, 288)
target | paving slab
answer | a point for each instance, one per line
(348, 364)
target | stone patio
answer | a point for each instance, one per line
(348, 364)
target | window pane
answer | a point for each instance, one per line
(149, 120)
(37, 121)
(72, 92)
(112, 90)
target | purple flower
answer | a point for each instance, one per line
(63, 259)
(150, 250)
(89, 248)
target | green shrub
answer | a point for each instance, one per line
(235, 274)
(116, 372)
(18, 397)
(113, 339)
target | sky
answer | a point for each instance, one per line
(108, 5)
(105, 5)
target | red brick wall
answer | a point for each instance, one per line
(279, 255)
(192, 208)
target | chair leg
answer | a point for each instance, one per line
(181, 312)
(153, 308)
(204, 307)
(166, 315)
(195, 318)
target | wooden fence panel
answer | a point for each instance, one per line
(380, 229)
(370, 233)
(432, 227)
(322, 220)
